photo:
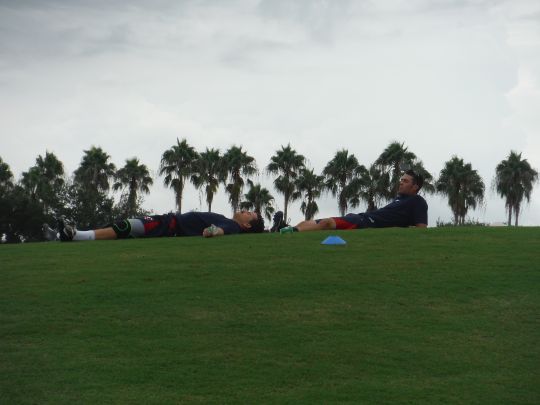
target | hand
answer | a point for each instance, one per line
(212, 230)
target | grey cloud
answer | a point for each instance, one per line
(80, 5)
(446, 5)
(244, 53)
(32, 31)
(318, 17)
(531, 17)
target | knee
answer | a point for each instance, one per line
(128, 228)
(122, 229)
(327, 223)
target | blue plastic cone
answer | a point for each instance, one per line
(333, 240)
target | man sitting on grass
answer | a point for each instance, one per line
(407, 209)
(206, 224)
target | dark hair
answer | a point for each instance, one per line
(257, 225)
(418, 179)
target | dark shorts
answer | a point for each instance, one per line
(354, 221)
(159, 225)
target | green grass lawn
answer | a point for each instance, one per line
(444, 315)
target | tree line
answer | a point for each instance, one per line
(45, 192)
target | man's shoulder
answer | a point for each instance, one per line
(410, 198)
(418, 199)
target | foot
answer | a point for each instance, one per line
(278, 222)
(66, 231)
(49, 233)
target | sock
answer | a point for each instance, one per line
(84, 235)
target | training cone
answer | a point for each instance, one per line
(333, 240)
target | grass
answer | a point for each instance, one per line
(446, 315)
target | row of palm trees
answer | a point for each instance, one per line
(343, 176)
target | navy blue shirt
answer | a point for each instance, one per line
(194, 223)
(404, 211)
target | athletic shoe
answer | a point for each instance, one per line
(278, 222)
(49, 233)
(66, 231)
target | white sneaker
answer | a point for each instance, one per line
(66, 231)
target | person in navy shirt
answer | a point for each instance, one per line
(206, 224)
(407, 209)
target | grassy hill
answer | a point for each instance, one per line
(446, 315)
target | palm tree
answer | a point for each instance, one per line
(259, 200)
(91, 205)
(95, 171)
(286, 163)
(177, 164)
(136, 178)
(342, 179)
(310, 185)
(514, 181)
(395, 158)
(462, 185)
(375, 186)
(209, 172)
(237, 163)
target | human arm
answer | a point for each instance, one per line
(420, 213)
(212, 231)
(320, 225)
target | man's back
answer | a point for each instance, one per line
(404, 211)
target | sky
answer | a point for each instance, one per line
(447, 78)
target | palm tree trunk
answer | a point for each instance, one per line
(371, 205)
(179, 192)
(286, 204)
(516, 212)
(132, 202)
(309, 214)
(179, 201)
(342, 205)
(209, 198)
(510, 215)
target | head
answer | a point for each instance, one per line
(249, 221)
(410, 183)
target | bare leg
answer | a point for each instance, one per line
(323, 224)
(105, 234)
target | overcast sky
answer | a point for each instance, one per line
(449, 77)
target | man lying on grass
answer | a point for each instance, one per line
(207, 224)
(407, 209)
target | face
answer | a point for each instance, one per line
(407, 186)
(244, 218)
